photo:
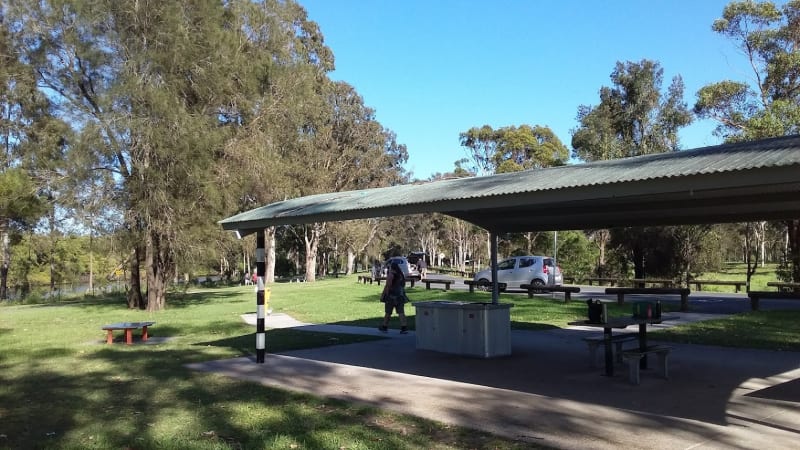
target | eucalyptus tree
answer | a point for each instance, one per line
(769, 104)
(344, 148)
(150, 80)
(285, 67)
(633, 118)
(25, 116)
(513, 148)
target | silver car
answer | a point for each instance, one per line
(409, 270)
(518, 270)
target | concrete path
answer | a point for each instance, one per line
(548, 393)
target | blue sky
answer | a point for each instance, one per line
(433, 69)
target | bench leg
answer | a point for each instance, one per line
(567, 297)
(129, 336)
(447, 286)
(633, 370)
(144, 333)
(593, 353)
(618, 349)
(663, 358)
(684, 302)
(607, 349)
(620, 298)
(427, 286)
(110, 337)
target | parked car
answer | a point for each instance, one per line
(518, 270)
(409, 270)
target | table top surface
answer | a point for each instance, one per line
(123, 325)
(623, 322)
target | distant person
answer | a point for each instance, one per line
(394, 298)
(376, 270)
(422, 267)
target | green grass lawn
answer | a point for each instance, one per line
(738, 272)
(62, 387)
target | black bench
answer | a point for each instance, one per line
(601, 281)
(643, 282)
(784, 286)
(755, 296)
(483, 284)
(428, 283)
(365, 278)
(621, 291)
(634, 356)
(699, 283)
(617, 340)
(567, 290)
(411, 280)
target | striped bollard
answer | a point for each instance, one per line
(261, 336)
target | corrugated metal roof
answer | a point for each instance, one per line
(462, 197)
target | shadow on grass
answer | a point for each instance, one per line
(284, 339)
(117, 300)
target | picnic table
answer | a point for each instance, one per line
(784, 286)
(622, 323)
(567, 290)
(411, 280)
(601, 280)
(429, 281)
(642, 282)
(128, 327)
(699, 283)
(620, 292)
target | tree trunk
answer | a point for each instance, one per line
(269, 242)
(5, 253)
(160, 267)
(135, 298)
(351, 262)
(793, 250)
(311, 238)
(638, 264)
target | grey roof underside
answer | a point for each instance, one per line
(757, 180)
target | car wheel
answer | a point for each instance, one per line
(484, 285)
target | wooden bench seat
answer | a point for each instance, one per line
(472, 284)
(600, 281)
(411, 280)
(618, 339)
(633, 358)
(784, 286)
(699, 283)
(622, 291)
(643, 282)
(365, 278)
(755, 296)
(429, 281)
(128, 327)
(567, 290)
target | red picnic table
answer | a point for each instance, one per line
(128, 327)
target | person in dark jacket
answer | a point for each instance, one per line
(394, 298)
